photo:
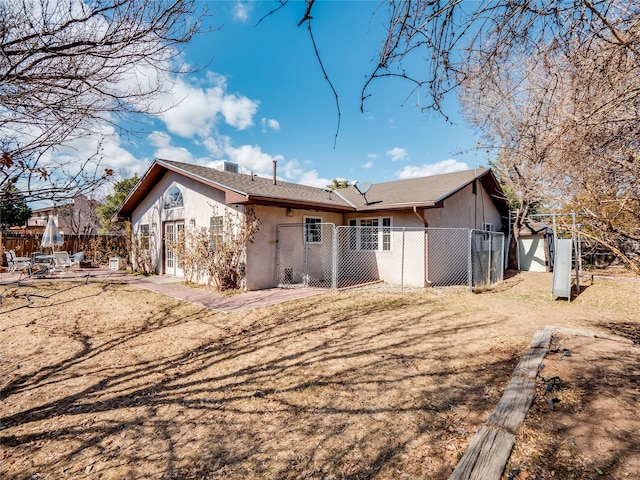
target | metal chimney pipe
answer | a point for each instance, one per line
(274, 172)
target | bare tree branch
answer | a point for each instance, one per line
(67, 67)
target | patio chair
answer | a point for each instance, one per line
(14, 262)
(76, 258)
(41, 265)
(61, 260)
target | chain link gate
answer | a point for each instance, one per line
(394, 255)
(305, 255)
(322, 255)
(487, 258)
(447, 256)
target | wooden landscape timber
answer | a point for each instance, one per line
(489, 450)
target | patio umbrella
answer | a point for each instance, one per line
(51, 236)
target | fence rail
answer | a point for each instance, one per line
(329, 256)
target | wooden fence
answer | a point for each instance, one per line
(98, 248)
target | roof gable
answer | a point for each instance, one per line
(238, 188)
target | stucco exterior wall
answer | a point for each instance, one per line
(261, 254)
(464, 209)
(199, 204)
(404, 263)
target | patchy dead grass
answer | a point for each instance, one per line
(104, 380)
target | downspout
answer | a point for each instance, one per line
(426, 248)
(421, 217)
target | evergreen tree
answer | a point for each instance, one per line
(106, 211)
(13, 207)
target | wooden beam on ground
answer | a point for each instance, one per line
(514, 404)
(490, 448)
(486, 456)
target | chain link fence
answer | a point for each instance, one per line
(322, 255)
(305, 255)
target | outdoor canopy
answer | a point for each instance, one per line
(51, 236)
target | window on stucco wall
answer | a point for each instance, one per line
(144, 236)
(487, 227)
(173, 198)
(312, 230)
(374, 234)
(216, 226)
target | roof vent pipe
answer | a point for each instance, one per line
(274, 172)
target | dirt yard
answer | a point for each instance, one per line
(105, 380)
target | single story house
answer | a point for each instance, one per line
(173, 195)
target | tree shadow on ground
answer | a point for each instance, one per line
(624, 329)
(344, 387)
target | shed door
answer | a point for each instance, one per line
(531, 254)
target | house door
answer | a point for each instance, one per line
(172, 264)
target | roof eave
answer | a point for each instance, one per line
(399, 206)
(293, 203)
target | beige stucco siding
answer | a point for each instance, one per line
(463, 209)
(199, 204)
(389, 266)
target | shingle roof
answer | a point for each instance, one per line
(240, 188)
(422, 191)
(251, 189)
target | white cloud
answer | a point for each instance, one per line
(397, 154)
(367, 165)
(253, 158)
(164, 149)
(196, 108)
(445, 166)
(270, 123)
(311, 179)
(216, 146)
(104, 145)
(372, 156)
(291, 170)
(241, 12)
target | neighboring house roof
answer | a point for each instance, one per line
(535, 228)
(424, 192)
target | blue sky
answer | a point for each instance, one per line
(262, 96)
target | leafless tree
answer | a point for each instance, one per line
(455, 35)
(600, 149)
(565, 122)
(67, 69)
(554, 86)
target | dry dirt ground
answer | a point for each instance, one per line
(105, 380)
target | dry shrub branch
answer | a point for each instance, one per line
(217, 255)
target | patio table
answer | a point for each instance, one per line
(44, 264)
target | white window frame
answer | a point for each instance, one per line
(180, 197)
(315, 232)
(487, 227)
(216, 231)
(144, 236)
(383, 235)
